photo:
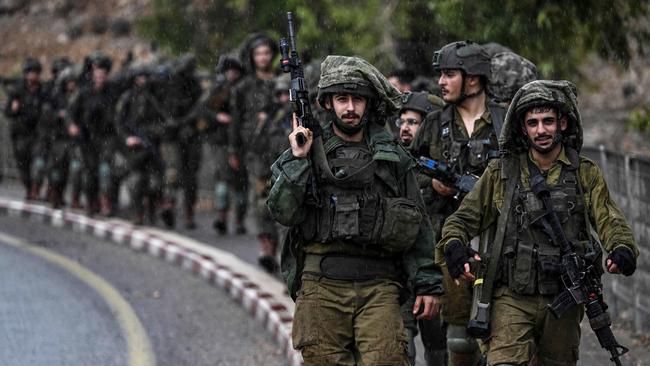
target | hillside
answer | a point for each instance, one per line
(49, 28)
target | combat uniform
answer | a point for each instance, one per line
(359, 236)
(183, 152)
(139, 115)
(249, 103)
(23, 125)
(93, 111)
(444, 137)
(528, 278)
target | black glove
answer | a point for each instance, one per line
(456, 255)
(624, 259)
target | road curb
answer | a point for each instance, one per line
(260, 305)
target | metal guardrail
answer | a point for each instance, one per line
(628, 178)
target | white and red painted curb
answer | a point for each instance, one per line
(261, 305)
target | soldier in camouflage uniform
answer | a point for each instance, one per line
(24, 110)
(140, 126)
(249, 103)
(183, 152)
(53, 134)
(463, 134)
(416, 106)
(359, 235)
(270, 142)
(509, 72)
(542, 134)
(229, 185)
(91, 122)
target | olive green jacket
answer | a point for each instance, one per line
(287, 206)
(481, 207)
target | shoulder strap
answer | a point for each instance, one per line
(509, 173)
(498, 114)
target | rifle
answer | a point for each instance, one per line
(579, 275)
(298, 94)
(443, 172)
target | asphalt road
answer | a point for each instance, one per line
(51, 316)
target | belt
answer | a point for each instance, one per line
(350, 268)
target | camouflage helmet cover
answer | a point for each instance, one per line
(509, 73)
(354, 75)
(32, 64)
(283, 83)
(468, 56)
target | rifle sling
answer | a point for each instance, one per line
(509, 165)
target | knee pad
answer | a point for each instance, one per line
(75, 166)
(104, 176)
(171, 177)
(38, 167)
(56, 176)
(458, 341)
(221, 196)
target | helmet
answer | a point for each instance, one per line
(32, 64)
(360, 88)
(467, 56)
(139, 68)
(100, 60)
(227, 63)
(417, 101)
(509, 73)
(186, 63)
(59, 63)
(68, 74)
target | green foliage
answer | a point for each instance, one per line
(639, 119)
(557, 35)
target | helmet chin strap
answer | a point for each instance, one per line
(464, 95)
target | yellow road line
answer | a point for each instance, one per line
(139, 346)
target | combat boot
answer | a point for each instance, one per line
(167, 214)
(33, 192)
(106, 206)
(56, 197)
(219, 223)
(75, 201)
(189, 217)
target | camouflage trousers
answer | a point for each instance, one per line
(522, 327)
(349, 323)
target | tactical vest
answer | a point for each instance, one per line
(470, 155)
(359, 203)
(531, 259)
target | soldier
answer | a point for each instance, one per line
(183, 155)
(464, 136)
(53, 134)
(140, 125)
(416, 106)
(270, 141)
(509, 72)
(249, 103)
(24, 110)
(346, 259)
(229, 185)
(541, 141)
(92, 124)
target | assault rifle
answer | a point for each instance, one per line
(443, 172)
(298, 94)
(580, 277)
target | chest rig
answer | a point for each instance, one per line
(359, 202)
(531, 258)
(470, 155)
